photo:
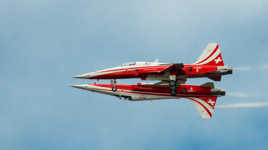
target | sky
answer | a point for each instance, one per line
(44, 43)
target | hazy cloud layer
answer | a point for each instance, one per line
(263, 67)
(44, 43)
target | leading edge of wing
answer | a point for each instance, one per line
(173, 67)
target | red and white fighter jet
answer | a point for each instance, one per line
(203, 97)
(210, 64)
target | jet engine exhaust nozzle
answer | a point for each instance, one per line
(218, 92)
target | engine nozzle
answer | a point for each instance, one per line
(218, 92)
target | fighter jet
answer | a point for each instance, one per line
(203, 97)
(210, 64)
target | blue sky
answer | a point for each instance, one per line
(44, 43)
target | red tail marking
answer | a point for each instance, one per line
(214, 51)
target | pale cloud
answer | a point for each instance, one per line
(263, 67)
(43, 45)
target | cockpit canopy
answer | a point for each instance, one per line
(140, 63)
(129, 64)
(136, 63)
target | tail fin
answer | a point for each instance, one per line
(211, 56)
(205, 105)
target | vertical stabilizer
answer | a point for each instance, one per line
(204, 105)
(211, 56)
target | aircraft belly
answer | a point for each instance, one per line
(135, 95)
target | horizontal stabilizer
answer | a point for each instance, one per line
(215, 77)
(208, 85)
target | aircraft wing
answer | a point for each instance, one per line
(168, 68)
(163, 73)
(174, 67)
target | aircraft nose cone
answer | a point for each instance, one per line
(78, 76)
(82, 86)
(83, 76)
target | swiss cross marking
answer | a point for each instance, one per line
(191, 89)
(197, 69)
(211, 102)
(218, 60)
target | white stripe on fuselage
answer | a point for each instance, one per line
(123, 68)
